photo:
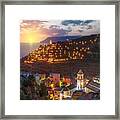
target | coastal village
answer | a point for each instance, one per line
(66, 70)
(55, 87)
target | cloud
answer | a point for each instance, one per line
(54, 26)
(76, 22)
(89, 25)
(33, 21)
(92, 27)
(72, 22)
(88, 21)
(80, 30)
(59, 28)
(28, 24)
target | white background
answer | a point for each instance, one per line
(13, 16)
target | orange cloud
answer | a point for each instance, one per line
(31, 32)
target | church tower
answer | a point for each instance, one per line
(50, 41)
(80, 80)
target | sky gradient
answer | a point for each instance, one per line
(34, 31)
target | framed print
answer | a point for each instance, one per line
(59, 59)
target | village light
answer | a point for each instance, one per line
(60, 83)
(52, 85)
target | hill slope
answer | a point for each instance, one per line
(65, 57)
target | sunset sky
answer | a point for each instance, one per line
(34, 31)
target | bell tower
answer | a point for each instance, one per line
(80, 80)
(50, 41)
